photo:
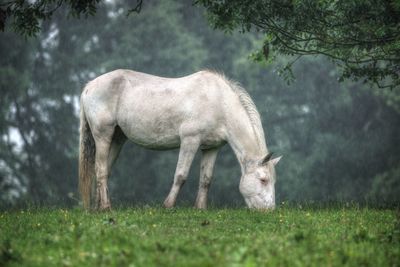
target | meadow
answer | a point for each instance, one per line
(152, 236)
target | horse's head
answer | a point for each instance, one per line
(257, 184)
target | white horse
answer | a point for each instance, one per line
(203, 110)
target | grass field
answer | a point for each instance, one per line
(288, 236)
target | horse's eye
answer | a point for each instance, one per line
(264, 181)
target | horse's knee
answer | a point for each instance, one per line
(180, 179)
(101, 180)
(205, 182)
(205, 185)
(101, 174)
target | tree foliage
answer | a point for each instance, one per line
(27, 16)
(362, 37)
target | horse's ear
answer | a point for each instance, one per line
(276, 160)
(267, 158)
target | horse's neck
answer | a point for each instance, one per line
(246, 141)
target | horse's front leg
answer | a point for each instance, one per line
(189, 146)
(206, 170)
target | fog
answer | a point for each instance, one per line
(339, 140)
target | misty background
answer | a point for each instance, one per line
(339, 141)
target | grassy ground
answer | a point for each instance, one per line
(288, 236)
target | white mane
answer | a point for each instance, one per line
(249, 107)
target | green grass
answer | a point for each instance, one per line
(288, 236)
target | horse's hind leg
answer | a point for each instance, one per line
(103, 140)
(206, 170)
(189, 146)
(109, 142)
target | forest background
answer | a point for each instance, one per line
(339, 140)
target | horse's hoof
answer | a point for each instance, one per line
(168, 204)
(105, 208)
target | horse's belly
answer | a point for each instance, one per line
(165, 134)
(154, 131)
(170, 141)
(156, 144)
(151, 135)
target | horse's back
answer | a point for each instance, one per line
(155, 111)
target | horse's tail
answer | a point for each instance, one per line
(87, 151)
